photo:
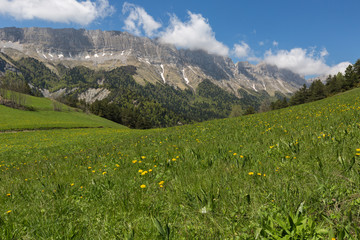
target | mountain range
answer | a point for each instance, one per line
(136, 81)
(155, 62)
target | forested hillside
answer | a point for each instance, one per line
(130, 103)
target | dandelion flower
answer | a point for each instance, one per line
(251, 173)
(134, 161)
(143, 157)
(161, 182)
(235, 154)
(259, 174)
(8, 211)
(161, 186)
(140, 170)
(143, 186)
(72, 184)
(9, 194)
(104, 173)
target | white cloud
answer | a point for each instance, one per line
(195, 34)
(324, 53)
(261, 43)
(303, 62)
(139, 19)
(64, 11)
(241, 50)
(275, 43)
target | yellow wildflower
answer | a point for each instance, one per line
(140, 170)
(161, 182)
(235, 154)
(104, 173)
(9, 194)
(134, 161)
(251, 173)
(143, 186)
(72, 184)
(259, 174)
(143, 157)
(8, 211)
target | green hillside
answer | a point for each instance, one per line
(286, 174)
(44, 116)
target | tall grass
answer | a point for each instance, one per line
(287, 174)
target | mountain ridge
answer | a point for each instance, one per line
(155, 62)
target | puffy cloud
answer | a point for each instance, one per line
(195, 34)
(303, 62)
(243, 51)
(64, 11)
(275, 43)
(139, 20)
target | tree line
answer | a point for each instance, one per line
(318, 90)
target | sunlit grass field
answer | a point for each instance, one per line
(44, 116)
(287, 174)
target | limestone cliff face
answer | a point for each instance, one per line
(155, 62)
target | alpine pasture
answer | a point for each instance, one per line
(293, 173)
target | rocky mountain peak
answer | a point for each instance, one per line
(155, 62)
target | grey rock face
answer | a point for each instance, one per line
(5, 66)
(154, 61)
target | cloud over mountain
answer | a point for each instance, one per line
(139, 20)
(64, 11)
(194, 34)
(303, 61)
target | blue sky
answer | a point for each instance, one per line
(310, 37)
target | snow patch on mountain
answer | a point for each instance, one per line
(162, 74)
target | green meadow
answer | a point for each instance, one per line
(44, 116)
(293, 173)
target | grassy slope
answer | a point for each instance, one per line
(45, 117)
(85, 183)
